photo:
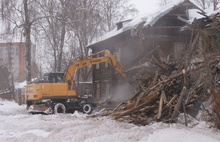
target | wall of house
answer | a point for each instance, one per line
(165, 35)
(103, 78)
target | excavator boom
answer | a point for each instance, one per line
(90, 60)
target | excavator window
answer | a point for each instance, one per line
(53, 77)
(59, 79)
(69, 84)
(46, 78)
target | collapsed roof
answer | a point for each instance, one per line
(149, 19)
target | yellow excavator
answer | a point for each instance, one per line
(56, 92)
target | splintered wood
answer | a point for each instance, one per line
(182, 86)
(163, 98)
(159, 101)
(169, 92)
(186, 85)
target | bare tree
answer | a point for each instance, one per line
(84, 24)
(93, 19)
(163, 2)
(27, 32)
(203, 3)
(21, 14)
(209, 4)
(215, 4)
(114, 11)
(75, 24)
(66, 25)
(55, 27)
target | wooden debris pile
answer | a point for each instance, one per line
(168, 93)
(157, 99)
(189, 85)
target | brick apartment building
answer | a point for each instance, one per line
(12, 55)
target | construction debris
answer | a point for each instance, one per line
(189, 85)
(165, 95)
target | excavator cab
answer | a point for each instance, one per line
(53, 77)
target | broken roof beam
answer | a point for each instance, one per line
(164, 37)
(177, 14)
(167, 27)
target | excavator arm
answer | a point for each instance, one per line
(92, 60)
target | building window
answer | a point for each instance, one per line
(118, 54)
(106, 64)
(97, 65)
(97, 90)
(107, 88)
(17, 51)
(178, 48)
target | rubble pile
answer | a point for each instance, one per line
(169, 92)
(190, 85)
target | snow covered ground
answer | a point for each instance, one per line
(18, 126)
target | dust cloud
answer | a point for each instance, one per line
(122, 92)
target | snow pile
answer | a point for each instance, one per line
(178, 135)
(16, 125)
(20, 85)
(11, 108)
(23, 84)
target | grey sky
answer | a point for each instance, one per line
(145, 6)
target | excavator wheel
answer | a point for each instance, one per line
(59, 108)
(87, 108)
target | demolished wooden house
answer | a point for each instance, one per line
(136, 42)
(190, 86)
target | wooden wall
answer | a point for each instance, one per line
(165, 35)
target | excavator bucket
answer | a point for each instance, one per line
(40, 109)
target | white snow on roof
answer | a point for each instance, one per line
(193, 14)
(211, 12)
(148, 19)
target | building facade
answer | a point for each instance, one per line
(141, 39)
(12, 55)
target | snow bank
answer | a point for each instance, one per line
(17, 125)
(178, 135)
(10, 108)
